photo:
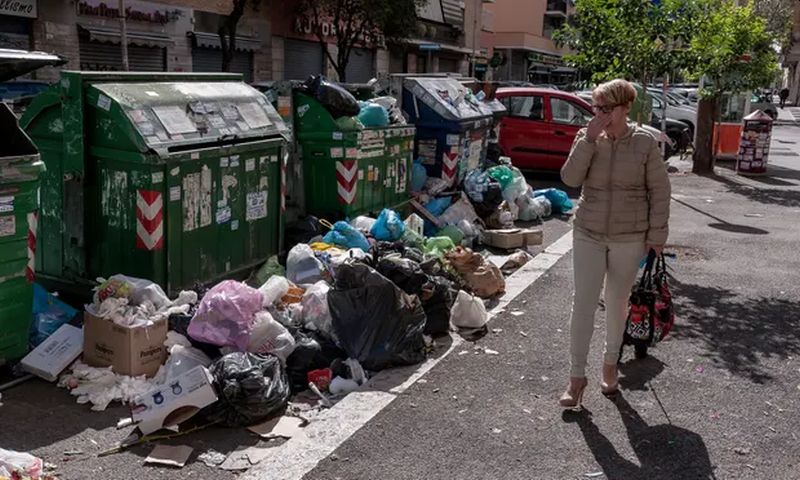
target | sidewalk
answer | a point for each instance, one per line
(788, 116)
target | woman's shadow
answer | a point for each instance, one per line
(663, 451)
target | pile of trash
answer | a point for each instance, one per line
(351, 114)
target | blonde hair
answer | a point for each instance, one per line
(615, 92)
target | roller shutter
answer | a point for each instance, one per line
(99, 56)
(301, 59)
(210, 60)
(361, 66)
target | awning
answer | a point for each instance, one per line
(565, 70)
(112, 35)
(539, 68)
(442, 46)
(211, 40)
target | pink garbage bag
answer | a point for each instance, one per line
(225, 316)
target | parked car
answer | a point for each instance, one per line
(685, 114)
(763, 102)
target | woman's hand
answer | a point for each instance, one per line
(596, 125)
(658, 249)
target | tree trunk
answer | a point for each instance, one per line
(703, 158)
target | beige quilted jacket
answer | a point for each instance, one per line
(626, 190)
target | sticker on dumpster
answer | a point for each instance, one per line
(175, 193)
(158, 177)
(256, 206)
(452, 140)
(262, 160)
(370, 174)
(216, 121)
(273, 159)
(234, 161)
(249, 164)
(224, 162)
(338, 135)
(175, 171)
(337, 152)
(352, 152)
(146, 128)
(400, 185)
(223, 215)
(427, 151)
(302, 109)
(149, 220)
(361, 174)
(254, 115)
(174, 119)
(242, 126)
(104, 102)
(151, 93)
(8, 225)
(137, 115)
(230, 112)
(234, 227)
(6, 204)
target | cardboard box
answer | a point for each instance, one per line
(513, 237)
(174, 402)
(129, 351)
(55, 354)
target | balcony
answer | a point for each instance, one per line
(556, 8)
(551, 24)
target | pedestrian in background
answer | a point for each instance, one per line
(783, 96)
(622, 214)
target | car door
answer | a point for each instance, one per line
(567, 117)
(523, 132)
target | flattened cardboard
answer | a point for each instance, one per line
(171, 456)
(174, 402)
(55, 354)
(128, 351)
(513, 237)
(279, 427)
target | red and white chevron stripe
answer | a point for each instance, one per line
(30, 269)
(347, 179)
(449, 166)
(284, 166)
(149, 220)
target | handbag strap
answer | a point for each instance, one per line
(646, 280)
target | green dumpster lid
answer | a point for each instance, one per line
(170, 113)
(15, 63)
(448, 97)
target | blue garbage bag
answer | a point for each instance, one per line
(345, 235)
(49, 313)
(437, 206)
(389, 227)
(419, 175)
(558, 199)
(373, 115)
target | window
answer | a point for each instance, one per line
(567, 112)
(530, 107)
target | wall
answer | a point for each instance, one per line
(55, 31)
(522, 16)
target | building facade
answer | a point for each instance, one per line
(522, 37)
(791, 60)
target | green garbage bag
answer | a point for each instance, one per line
(411, 238)
(438, 246)
(502, 174)
(453, 233)
(271, 267)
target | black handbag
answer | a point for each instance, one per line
(640, 326)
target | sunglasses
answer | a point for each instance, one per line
(604, 108)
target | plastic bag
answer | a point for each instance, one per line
(183, 358)
(460, 210)
(437, 302)
(403, 272)
(315, 309)
(437, 206)
(346, 236)
(338, 101)
(492, 198)
(376, 323)
(225, 315)
(19, 463)
(136, 290)
(363, 223)
(516, 188)
(373, 115)
(270, 269)
(475, 183)
(452, 232)
(250, 387)
(483, 278)
(302, 266)
(311, 352)
(419, 175)
(438, 246)
(304, 231)
(389, 227)
(502, 174)
(434, 186)
(272, 291)
(468, 311)
(49, 313)
(269, 336)
(501, 218)
(559, 200)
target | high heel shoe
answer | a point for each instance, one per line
(612, 388)
(573, 396)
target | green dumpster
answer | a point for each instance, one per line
(349, 170)
(172, 177)
(20, 169)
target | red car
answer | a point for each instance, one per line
(540, 126)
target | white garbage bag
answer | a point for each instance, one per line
(468, 311)
(302, 266)
(269, 336)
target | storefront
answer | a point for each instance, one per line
(302, 58)
(16, 19)
(207, 54)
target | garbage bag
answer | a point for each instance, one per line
(468, 311)
(373, 115)
(336, 100)
(492, 198)
(453, 233)
(225, 315)
(184, 358)
(19, 465)
(302, 266)
(348, 124)
(270, 269)
(558, 199)
(275, 288)
(269, 336)
(304, 230)
(315, 309)
(413, 239)
(437, 300)
(376, 323)
(475, 183)
(502, 174)
(404, 273)
(438, 246)
(460, 210)
(543, 207)
(501, 218)
(419, 175)
(251, 388)
(363, 223)
(389, 227)
(528, 209)
(483, 278)
(516, 188)
(49, 313)
(344, 235)
(136, 290)
(437, 206)
(434, 186)
(311, 352)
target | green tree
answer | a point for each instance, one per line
(358, 22)
(227, 29)
(733, 51)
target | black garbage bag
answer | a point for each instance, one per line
(437, 301)
(404, 273)
(304, 230)
(336, 100)
(251, 387)
(492, 198)
(311, 352)
(376, 322)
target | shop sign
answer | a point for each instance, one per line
(308, 26)
(134, 11)
(545, 59)
(18, 8)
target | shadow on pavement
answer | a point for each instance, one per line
(767, 196)
(637, 373)
(738, 331)
(724, 225)
(663, 451)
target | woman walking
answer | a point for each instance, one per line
(622, 214)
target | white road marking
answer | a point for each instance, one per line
(301, 454)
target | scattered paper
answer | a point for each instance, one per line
(172, 456)
(517, 313)
(211, 458)
(526, 411)
(742, 450)
(497, 330)
(464, 352)
(496, 430)
(545, 378)
(244, 459)
(523, 333)
(754, 215)
(594, 474)
(489, 351)
(280, 427)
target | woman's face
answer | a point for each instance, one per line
(618, 113)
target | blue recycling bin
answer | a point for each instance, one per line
(452, 126)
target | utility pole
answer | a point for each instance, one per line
(477, 10)
(123, 35)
